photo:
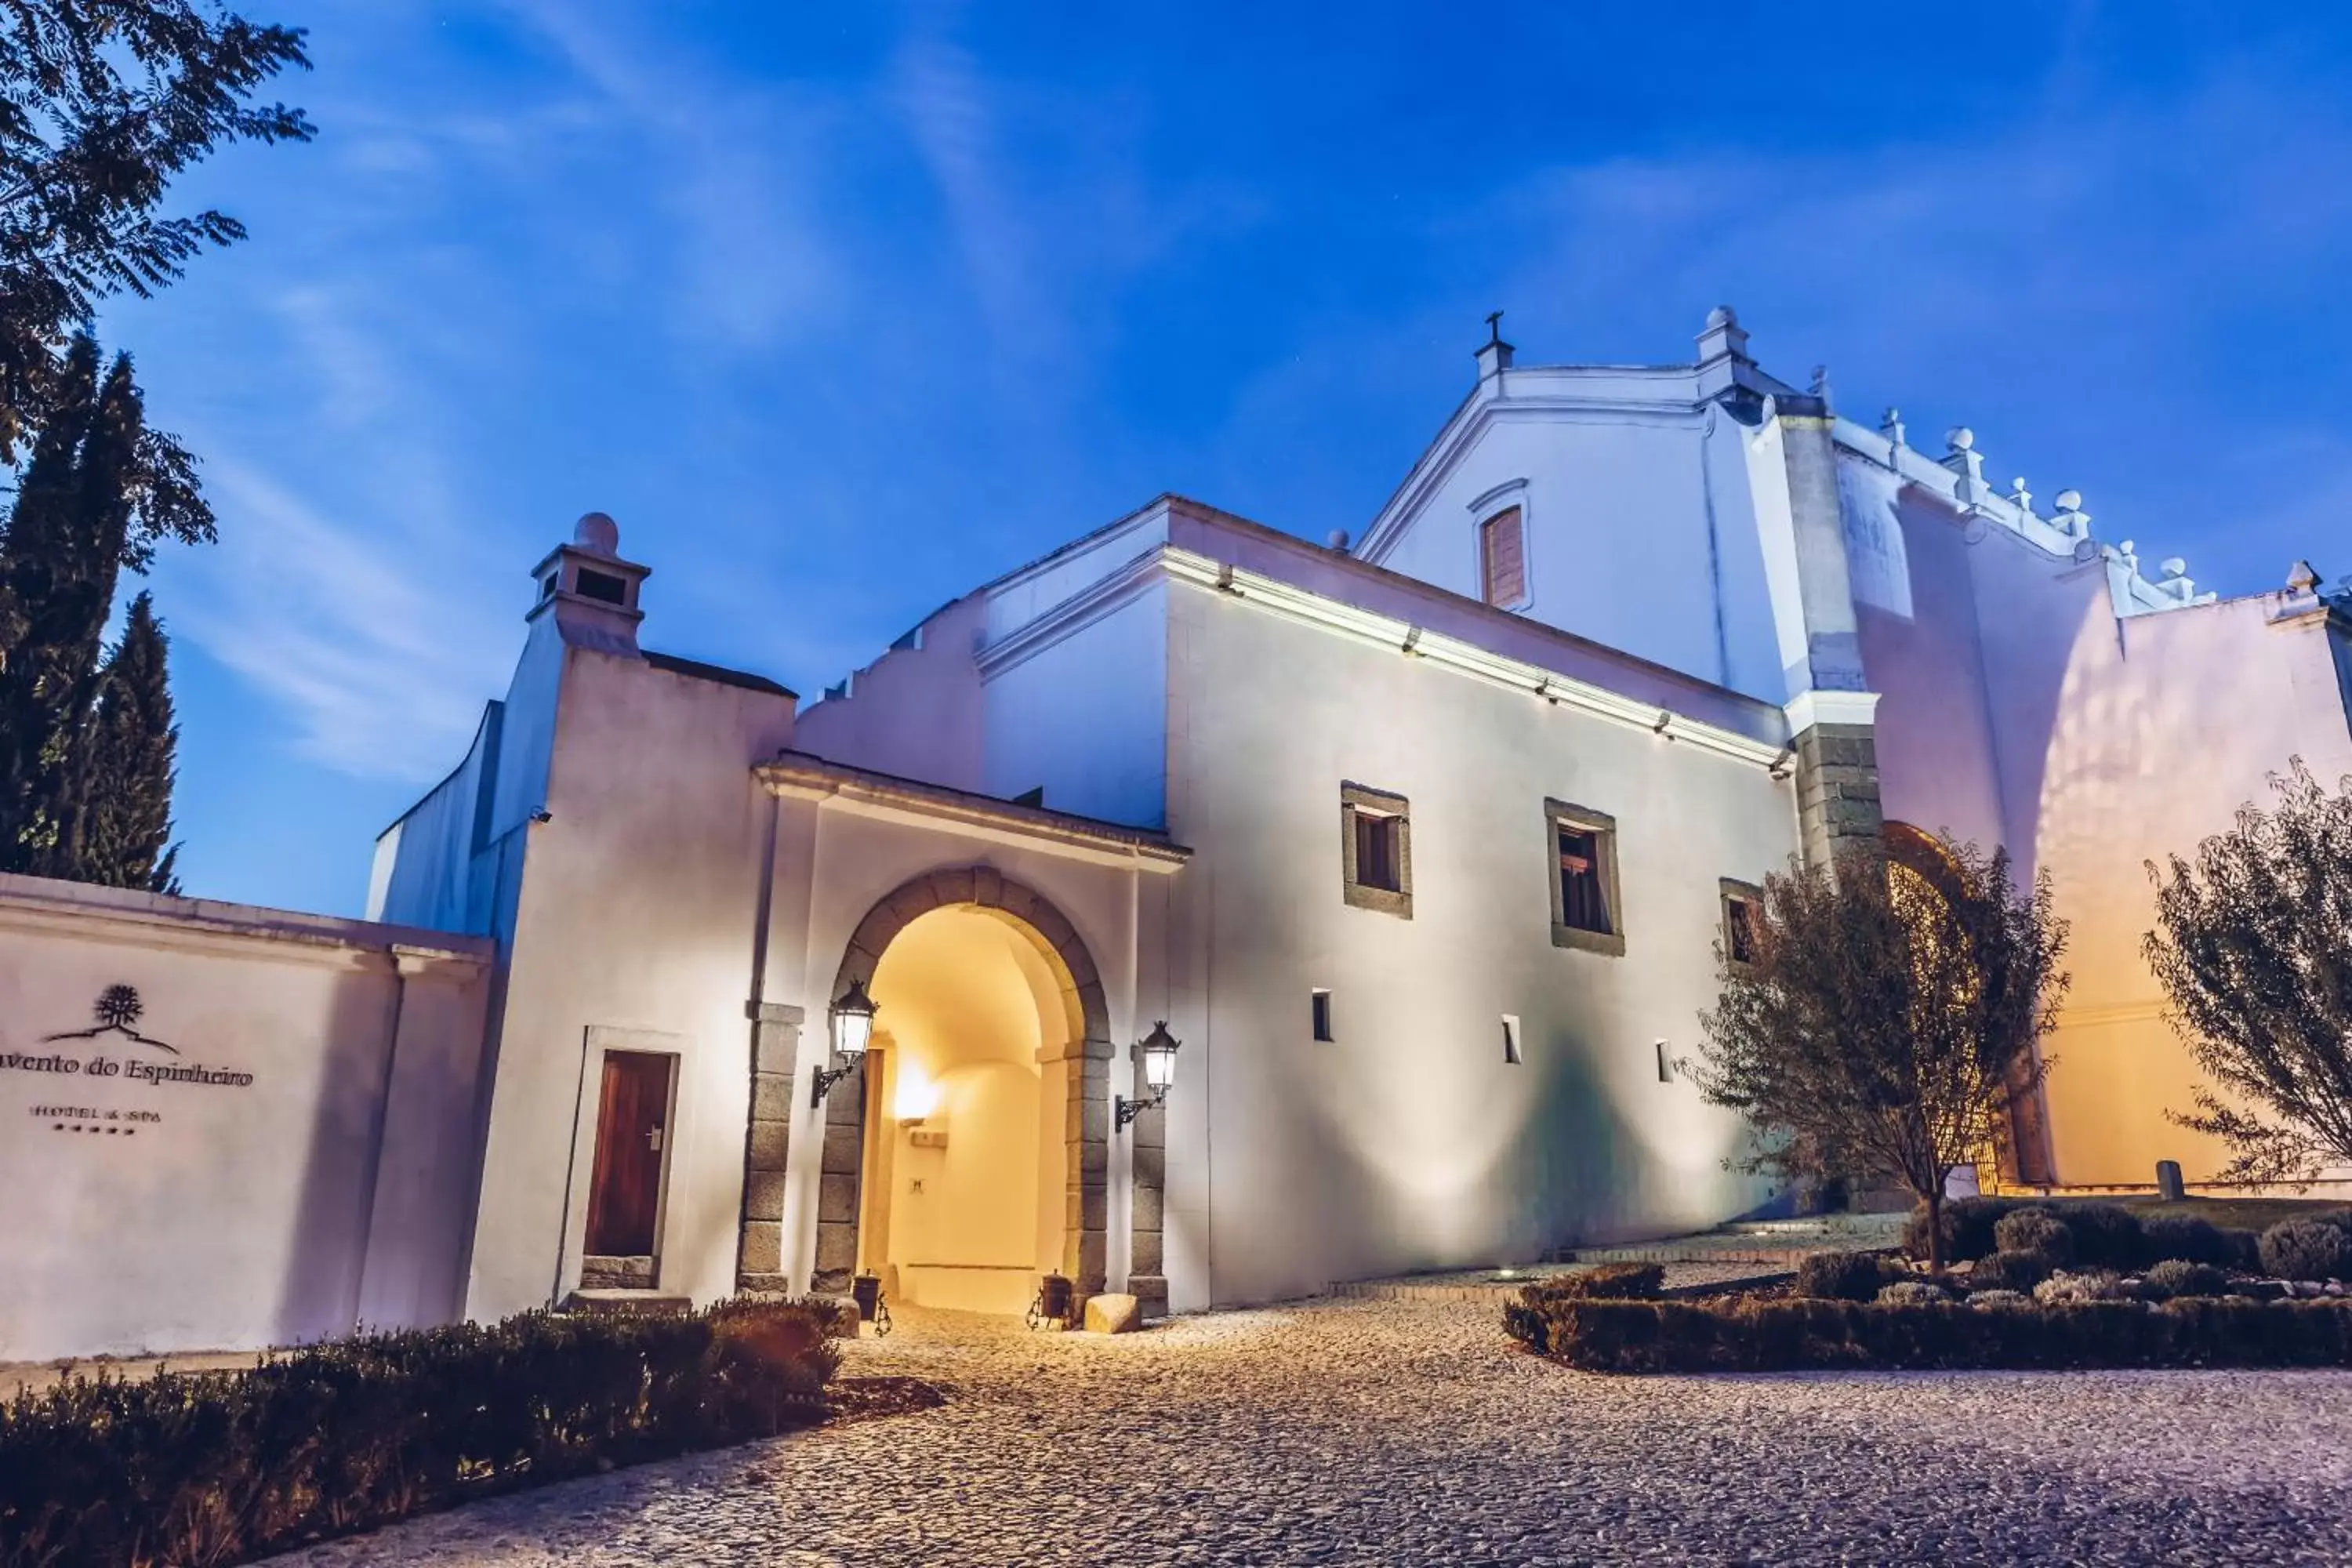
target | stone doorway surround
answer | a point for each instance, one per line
(1085, 1119)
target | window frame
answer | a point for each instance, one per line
(1488, 506)
(1319, 1015)
(1561, 814)
(1355, 800)
(1729, 891)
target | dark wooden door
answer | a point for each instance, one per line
(632, 1118)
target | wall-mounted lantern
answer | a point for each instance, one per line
(853, 1031)
(1159, 1050)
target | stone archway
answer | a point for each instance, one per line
(1085, 1166)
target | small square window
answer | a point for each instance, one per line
(1322, 1014)
(1511, 1039)
(1743, 904)
(1585, 912)
(600, 585)
(1376, 850)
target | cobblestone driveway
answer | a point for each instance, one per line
(1392, 1433)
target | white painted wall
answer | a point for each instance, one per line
(1408, 1142)
(328, 1193)
(1084, 717)
(638, 919)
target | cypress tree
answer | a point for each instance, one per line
(68, 536)
(122, 826)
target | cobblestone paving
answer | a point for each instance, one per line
(1397, 1433)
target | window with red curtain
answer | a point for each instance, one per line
(1503, 554)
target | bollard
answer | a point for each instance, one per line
(2168, 1181)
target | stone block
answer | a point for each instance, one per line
(836, 1247)
(777, 1048)
(1113, 1315)
(1058, 933)
(1150, 1164)
(844, 1149)
(1081, 965)
(1149, 1207)
(1087, 1208)
(1090, 1258)
(764, 1195)
(836, 1198)
(2168, 1181)
(987, 887)
(764, 1248)
(1151, 1293)
(1147, 1254)
(954, 887)
(765, 1284)
(771, 1096)
(1094, 1159)
(844, 1106)
(771, 1144)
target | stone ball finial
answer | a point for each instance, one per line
(2070, 500)
(1338, 538)
(1722, 316)
(1960, 437)
(2174, 566)
(597, 534)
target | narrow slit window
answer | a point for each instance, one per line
(1743, 904)
(1322, 1014)
(1503, 559)
(1511, 1039)
(1665, 1064)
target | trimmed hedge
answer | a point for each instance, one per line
(219, 1468)
(2035, 1230)
(1794, 1334)
(2306, 1249)
(2095, 1235)
(1967, 1227)
(2019, 1271)
(1841, 1276)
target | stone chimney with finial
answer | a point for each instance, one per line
(590, 591)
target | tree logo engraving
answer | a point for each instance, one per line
(117, 1010)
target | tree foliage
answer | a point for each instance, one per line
(1885, 1023)
(122, 831)
(2252, 945)
(68, 535)
(101, 104)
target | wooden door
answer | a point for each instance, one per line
(632, 1127)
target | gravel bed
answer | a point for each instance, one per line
(1390, 1433)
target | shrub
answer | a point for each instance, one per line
(2091, 1285)
(2013, 1271)
(2106, 1235)
(1529, 1318)
(2304, 1249)
(1766, 1335)
(2035, 1230)
(1841, 1276)
(1967, 1227)
(2184, 1276)
(1912, 1292)
(2188, 1239)
(2000, 1301)
(222, 1467)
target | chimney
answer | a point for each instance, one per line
(1723, 362)
(1494, 354)
(590, 590)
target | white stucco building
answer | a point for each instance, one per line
(1422, 848)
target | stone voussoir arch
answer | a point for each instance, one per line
(1086, 1118)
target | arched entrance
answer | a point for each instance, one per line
(975, 1154)
(1919, 865)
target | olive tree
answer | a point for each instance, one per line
(2252, 945)
(1883, 1021)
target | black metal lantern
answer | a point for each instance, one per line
(853, 1031)
(1160, 1049)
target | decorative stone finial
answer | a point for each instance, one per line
(1891, 427)
(597, 532)
(1961, 438)
(2302, 579)
(2174, 566)
(2128, 551)
(1338, 538)
(2021, 497)
(1722, 316)
(2070, 500)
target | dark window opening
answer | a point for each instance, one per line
(1739, 930)
(602, 586)
(1583, 896)
(1665, 1064)
(1511, 1040)
(1378, 865)
(1322, 1009)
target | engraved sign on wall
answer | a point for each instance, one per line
(122, 1054)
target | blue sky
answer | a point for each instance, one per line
(843, 308)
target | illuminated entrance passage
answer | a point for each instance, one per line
(966, 1136)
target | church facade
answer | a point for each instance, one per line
(1420, 849)
(1197, 910)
